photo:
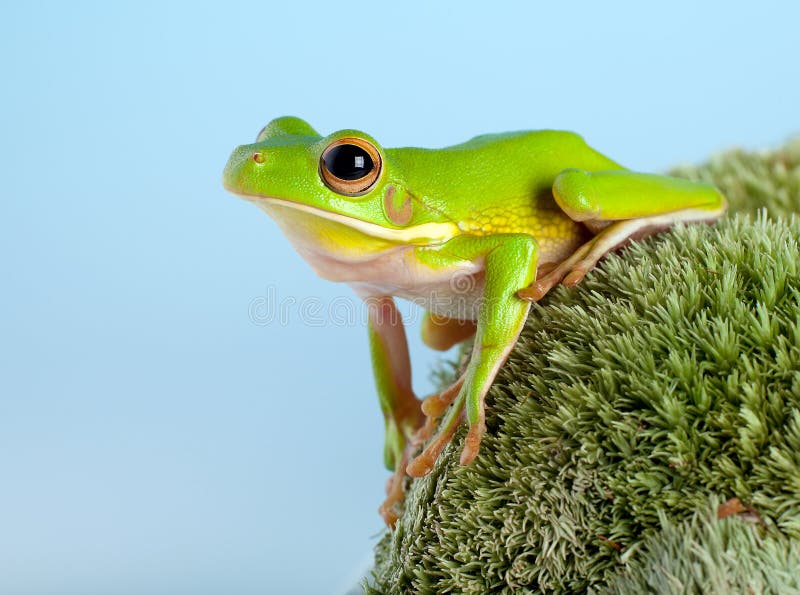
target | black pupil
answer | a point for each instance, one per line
(348, 162)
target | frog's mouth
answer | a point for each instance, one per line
(424, 234)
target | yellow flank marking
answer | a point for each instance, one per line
(524, 218)
(425, 233)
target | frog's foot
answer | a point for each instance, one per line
(423, 463)
(433, 407)
(455, 398)
(401, 443)
(395, 487)
(573, 269)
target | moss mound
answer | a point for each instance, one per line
(702, 555)
(667, 383)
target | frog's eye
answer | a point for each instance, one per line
(350, 166)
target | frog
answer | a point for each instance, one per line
(474, 233)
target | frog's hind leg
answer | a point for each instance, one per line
(620, 206)
(441, 332)
(572, 270)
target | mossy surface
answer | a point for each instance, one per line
(666, 383)
(704, 555)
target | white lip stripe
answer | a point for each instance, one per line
(426, 233)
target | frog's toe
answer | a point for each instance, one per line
(389, 516)
(569, 272)
(400, 445)
(424, 462)
(395, 490)
(436, 404)
(472, 444)
(575, 276)
(539, 288)
(536, 291)
(425, 432)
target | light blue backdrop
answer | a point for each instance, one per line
(153, 438)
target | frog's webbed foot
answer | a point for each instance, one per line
(424, 462)
(609, 204)
(434, 407)
(402, 444)
(570, 271)
(395, 487)
(573, 269)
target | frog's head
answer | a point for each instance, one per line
(337, 196)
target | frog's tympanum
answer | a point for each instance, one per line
(474, 232)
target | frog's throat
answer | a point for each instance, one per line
(423, 234)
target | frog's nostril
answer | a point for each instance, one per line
(258, 157)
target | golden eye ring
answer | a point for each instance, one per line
(350, 166)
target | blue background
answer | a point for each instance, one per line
(153, 437)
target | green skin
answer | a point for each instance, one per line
(474, 232)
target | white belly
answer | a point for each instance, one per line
(458, 296)
(454, 292)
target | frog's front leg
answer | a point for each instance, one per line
(621, 205)
(510, 264)
(401, 410)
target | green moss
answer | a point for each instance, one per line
(703, 555)
(667, 382)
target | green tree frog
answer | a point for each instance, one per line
(475, 232)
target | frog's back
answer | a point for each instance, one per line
(502, 183)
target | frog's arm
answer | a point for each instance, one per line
(392, 369)
(401, 409)
(510, 265)
(621, 205)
